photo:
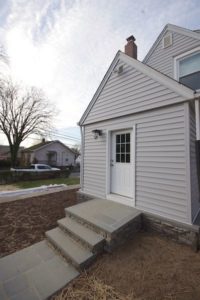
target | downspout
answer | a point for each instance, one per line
(82, 129)
(197, 118)
(197, 143)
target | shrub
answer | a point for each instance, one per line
(14, 176)
(5, 164)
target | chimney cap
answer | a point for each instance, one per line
(130, 38)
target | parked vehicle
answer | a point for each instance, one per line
(36, 168)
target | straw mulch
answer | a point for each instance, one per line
(88, 287)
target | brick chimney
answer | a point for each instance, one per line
(131, 48)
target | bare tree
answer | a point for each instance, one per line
(22, 112)
(77, 149)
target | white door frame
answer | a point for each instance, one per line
(109, 196)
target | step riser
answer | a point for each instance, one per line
(125, 233)
(89, 225)
(97, 249)
(79, 267)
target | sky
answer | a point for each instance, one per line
(65, 47)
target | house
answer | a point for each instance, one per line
(140, 131)
(53, 153)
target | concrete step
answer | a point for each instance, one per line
(79, 256)
(86, 222)
(94, 241)
(114, 221)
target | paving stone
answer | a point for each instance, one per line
(29, 260)
(51, 276)
(28, 294)
(32, 274)
(70, 248)
(8, 268)
(3, 295)
(44, 251)
(15, 285)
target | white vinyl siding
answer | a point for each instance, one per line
(130, 92)
(194, 178)
(161, 185)
(163, 59)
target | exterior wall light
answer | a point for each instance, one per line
(96, 133)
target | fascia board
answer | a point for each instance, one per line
(101, 86)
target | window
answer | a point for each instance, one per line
(123, 148)
(43, 167)
(189, 70)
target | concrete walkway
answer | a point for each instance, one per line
(34, 273)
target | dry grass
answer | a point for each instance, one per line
(89, 288)
(149, 267)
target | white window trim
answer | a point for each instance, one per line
(180, 57)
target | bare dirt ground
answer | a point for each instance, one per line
(149, 267)
(24, 222)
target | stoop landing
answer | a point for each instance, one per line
(113, 220)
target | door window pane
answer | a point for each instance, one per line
(123, 148)
(118, 138)
(122, 157)
(128, 137)
(127, 148)
(117, 157)
(123, 138)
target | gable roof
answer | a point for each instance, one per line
(166, 81)
(169, 27)
(45, 144)
(38, 146)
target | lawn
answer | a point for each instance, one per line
(36, 183)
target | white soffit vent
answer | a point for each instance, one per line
(167, 40)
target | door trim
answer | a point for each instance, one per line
(109, 195)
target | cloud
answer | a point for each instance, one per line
(65, 47)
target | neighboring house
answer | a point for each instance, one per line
(5, 152)
(53, 153)
(78, 160)
(139, 131)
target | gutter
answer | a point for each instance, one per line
(82, 129)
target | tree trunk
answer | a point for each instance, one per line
(14, 151)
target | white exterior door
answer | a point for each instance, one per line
(122, 163)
